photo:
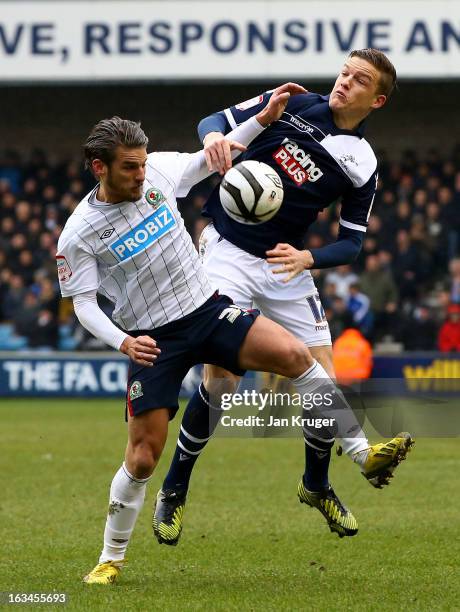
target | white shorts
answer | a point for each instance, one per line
(250, 282)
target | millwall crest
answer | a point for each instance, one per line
(154, 197)
(135, 390)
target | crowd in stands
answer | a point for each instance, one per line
(404, 288)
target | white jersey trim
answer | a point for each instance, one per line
(353, 226)
(230, 118)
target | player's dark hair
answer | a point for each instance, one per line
(109, 134)
(380, 61)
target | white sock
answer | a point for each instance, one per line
(126, 500)
(352, 446)
(316, 378)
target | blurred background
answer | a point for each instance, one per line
(169, 64)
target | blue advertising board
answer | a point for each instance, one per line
(105, 374)
(72, 374)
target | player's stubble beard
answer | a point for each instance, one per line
(119, 192)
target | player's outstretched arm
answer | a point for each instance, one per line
(142, 350)
(196, 167)
(216, 147)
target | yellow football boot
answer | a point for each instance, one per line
(383, 458)
(104, 573)
(338, 517)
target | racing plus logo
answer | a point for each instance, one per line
(297, 164)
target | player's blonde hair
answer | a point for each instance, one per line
(386, 69)
(109, 134)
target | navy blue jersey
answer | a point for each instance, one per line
(318, 164)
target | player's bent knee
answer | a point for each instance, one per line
(143, 457)
(296, 358)
(142, 464)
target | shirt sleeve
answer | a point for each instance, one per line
(357, 205)
(344, 250)
(217, 122)
(95, 321)
(77, 268)
(187, 169)
(226, 120)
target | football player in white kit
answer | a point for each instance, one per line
(318, 149)
(127, 240)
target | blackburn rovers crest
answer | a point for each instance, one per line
(135, 390)
(154, 197)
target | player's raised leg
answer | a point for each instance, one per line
(147, 434)
(287, 357)
(379, 461)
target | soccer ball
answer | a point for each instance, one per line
(251, 192)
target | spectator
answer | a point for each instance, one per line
(454, 270)
(338, 316)
(342, 277)
(352, 357)
(25, 316)
(48, 296)
(14, 297)
(359, 306)
(26, 266)
(377, 283)
(406, 266)
(6, 232)
(419, 330)
(449, 334)
(36, 324)
(5, 283)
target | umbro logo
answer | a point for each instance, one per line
(183, 457)
(107, 233)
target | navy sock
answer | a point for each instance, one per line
(198, 424)
(317, 458)
(319, 439)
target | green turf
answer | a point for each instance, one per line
(247, 543)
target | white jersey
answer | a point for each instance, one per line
(138, 254)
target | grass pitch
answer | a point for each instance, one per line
(248, 544)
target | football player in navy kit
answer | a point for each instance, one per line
(318, 149)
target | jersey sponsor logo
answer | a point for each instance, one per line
(144, 234)
(242, 106)
(135, 390)
(154, 197)
(63, 268)
(296, 163)
(106, 233)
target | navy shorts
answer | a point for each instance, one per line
(213, 333)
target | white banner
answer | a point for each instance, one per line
(155, 40)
